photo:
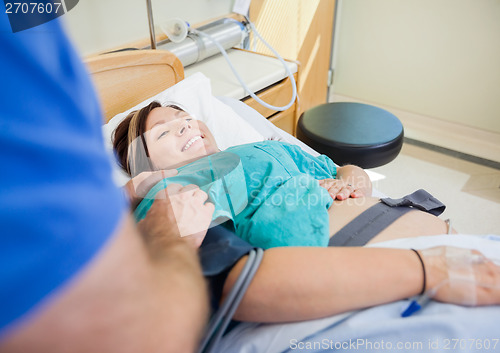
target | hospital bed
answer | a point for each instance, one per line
(129, 80)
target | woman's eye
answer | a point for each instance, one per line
(189, 119)
(162, 134)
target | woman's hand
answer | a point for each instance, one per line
(351, 181)
(340, 189)
(461, 276)
(139, 186)
(178, 212)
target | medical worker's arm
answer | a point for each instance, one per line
(299, 283)
(127, 299)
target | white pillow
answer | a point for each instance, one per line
(194, 95)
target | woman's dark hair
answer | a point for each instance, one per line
(128, 131)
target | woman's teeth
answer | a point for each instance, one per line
(190, 142)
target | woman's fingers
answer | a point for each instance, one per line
(335, 187)
(340, 189)
(357, 193)
(345, 192)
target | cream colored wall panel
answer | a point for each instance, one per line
(435, 58)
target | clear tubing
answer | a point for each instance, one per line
(237, 75)
(219, 36)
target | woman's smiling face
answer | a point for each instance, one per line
(174, 138)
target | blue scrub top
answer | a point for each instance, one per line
(58, 204)
(269, 190)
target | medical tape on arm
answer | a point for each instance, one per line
(467, 276)
(461, 273)
(463, 276)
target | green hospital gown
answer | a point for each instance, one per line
(269, 190)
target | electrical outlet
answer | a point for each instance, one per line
(241, 7)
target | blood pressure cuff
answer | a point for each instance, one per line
(220, 251)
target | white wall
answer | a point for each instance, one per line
(98, 25)
(437, 58)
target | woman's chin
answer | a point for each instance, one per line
(189, 156)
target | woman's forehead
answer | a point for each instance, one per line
(162, 115)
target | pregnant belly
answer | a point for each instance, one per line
(412, 224)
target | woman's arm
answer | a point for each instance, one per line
(306, 283)
(302, 283)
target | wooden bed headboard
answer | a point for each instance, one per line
(125, 79)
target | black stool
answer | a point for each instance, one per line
(352, 133)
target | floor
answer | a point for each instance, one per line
(471, 191)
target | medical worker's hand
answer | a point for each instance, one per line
(178, 213)
(139, 186)
(340, 189)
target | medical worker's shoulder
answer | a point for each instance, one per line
(62, 206)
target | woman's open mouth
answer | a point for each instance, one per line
(191, 142)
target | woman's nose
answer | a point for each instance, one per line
(183, 127)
